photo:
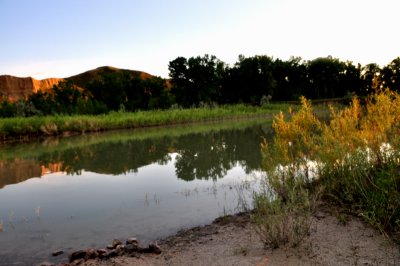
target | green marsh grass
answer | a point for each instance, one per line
(36, 148)
(21, 127)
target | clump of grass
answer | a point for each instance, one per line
(240, 250)
(356, 157)
(284, 217)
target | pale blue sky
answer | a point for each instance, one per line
(60, 38)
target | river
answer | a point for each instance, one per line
(84, 191)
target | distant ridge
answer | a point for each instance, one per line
(81, 80)
(15, 88)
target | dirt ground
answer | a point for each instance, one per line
(233, 241)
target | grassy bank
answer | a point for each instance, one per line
(20, 127)
(352, 162)
(35, 149)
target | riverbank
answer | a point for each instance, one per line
(23, 128)
(232, 240)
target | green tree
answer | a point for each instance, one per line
(325, 77)
(391, 75)
(66, 97)
(351, 80)
(250, 79)
(110, 89)
(291, 79)
(160, 96)
(197, 79)
(137, 96)
(370, 77)
(7, 108)
(178, 71)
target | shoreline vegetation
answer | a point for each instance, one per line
(353, 161)
(25, 128)
(51, 144)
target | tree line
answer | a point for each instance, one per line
(206, 81)
(252, 79)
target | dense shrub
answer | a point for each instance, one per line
(354, 160)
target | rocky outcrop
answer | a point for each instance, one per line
(15, 88)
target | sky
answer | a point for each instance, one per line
(61, 38)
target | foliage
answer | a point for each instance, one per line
(196, 79)
(250, 79)
(291, 142)
(203, 79)
(362, 159)
(354, 159)
(391, 75)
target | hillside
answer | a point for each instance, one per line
(81, 80)
(16, 88)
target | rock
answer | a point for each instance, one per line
(116, 242)
(57, 253)
(130, 248)
(112, 253)
(319, 215)
(46, 263)
(76, 255)
(134, 255)
(143, 249)
(78, 262)
(120, 249)
(110, 247)
(102, 253)
(132, 240)
(152, 248)
(91, 254)
(155, 248)
(15, 88)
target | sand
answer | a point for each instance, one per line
(233, 241)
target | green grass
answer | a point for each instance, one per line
(38, 147)
(20, 127)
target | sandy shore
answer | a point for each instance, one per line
(233, 241)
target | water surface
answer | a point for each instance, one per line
(79, 192)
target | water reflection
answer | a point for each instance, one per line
(200, 155)
(94, 188)
(211, 155)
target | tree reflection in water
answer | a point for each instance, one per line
(198, 155)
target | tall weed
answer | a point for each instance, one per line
(283, 209)
(356, 156)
